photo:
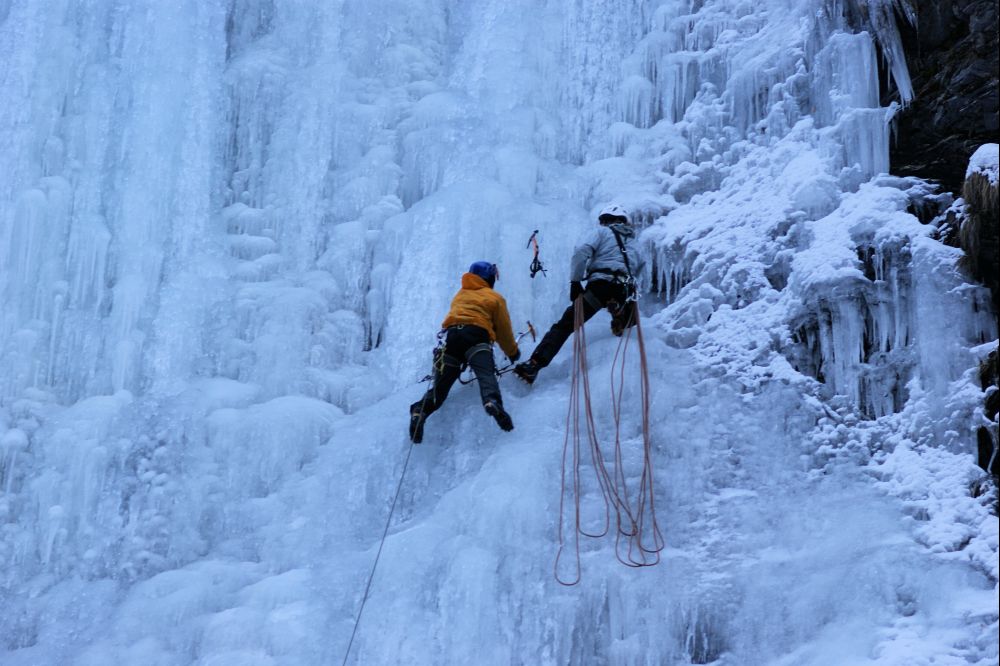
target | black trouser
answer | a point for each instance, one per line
(463, 344)
(599, 294)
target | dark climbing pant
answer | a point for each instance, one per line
(463, 344)
(599, 294)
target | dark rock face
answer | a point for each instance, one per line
(952, 54)
(989, 375)
(980, 239)
(980, 233)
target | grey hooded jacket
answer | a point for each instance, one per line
(598, 257)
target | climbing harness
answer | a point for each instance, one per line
(439, 356)
(441, 359)
(489, 347)
(536, 265)
(629, 279)
(385, 533)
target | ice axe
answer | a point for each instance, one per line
(510, 366)
(536, 265)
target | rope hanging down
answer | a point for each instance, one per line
(637, 527)
(385, 533)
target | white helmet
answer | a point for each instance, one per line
(610, 212)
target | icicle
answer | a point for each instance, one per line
(637, 100)
(845, 77)
(87, 262)
(882, 16)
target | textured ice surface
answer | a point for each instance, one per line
(230, 231)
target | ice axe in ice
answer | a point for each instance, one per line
(536, 265)
(510, 366)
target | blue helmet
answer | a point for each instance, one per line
(485, 270)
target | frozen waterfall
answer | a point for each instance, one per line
(229, 231)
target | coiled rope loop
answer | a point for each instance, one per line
(638, 540)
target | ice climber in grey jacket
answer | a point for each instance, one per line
(609, 261)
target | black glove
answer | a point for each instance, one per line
(575, 289)
(517, 355)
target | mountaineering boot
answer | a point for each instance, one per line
(502, 418)
(527, 371)
(416, 426)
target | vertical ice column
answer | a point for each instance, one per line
(31, 285)
(126, 155)
(846, 98)
(35, 72)
(946, 327)
(845, 76)
(172, 55)
(189, 267)
(596, 37)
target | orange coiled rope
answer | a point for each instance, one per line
(638, 528)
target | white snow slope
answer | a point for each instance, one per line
(229, 232)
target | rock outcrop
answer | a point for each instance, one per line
(952, 57)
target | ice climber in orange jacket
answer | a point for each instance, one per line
(478, 318)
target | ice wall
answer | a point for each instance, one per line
(227, 234)
(810, 266)
(800, 140)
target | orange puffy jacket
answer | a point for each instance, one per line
(477, 304)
